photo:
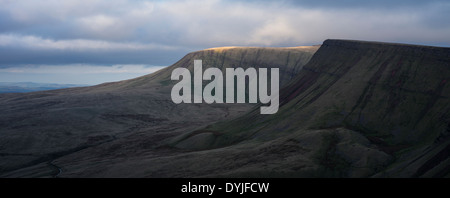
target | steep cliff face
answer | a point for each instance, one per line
(399, 93)
(397, 96)
(289, 60)
(393, 99)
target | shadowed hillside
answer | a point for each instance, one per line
(355, 109)
(374, 109)
(37, 128)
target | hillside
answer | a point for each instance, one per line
(356, 109)
(371, 109)
(351, 109)
(40, 127)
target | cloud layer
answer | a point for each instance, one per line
(160, 32)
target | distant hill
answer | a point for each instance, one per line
(22, 87)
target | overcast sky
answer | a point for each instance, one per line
(136, 34)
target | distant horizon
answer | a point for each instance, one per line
(12, 83)
(75, 73)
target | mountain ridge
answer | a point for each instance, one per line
(351, 109)
(321, 95)
(47, 125)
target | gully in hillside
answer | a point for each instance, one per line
(216, 86)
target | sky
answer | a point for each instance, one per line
(95, 41)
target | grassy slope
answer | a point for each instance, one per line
(395, 96)
(37, 128)
(356, 109)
